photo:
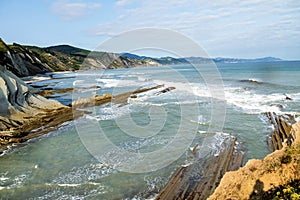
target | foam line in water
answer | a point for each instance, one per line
(249, 101)
(109, 83)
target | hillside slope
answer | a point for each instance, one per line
(31, 60)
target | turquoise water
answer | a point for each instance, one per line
(129, 151)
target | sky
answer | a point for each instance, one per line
(223, 28)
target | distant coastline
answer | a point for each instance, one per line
(39, 60)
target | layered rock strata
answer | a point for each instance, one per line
(25, 115)
(199, 179)
(282, 125)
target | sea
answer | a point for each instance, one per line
(129, 150)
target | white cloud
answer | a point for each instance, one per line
(122, 3)
(217, 25)
(68, 10)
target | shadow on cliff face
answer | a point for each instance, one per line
(258, 191)
(287, 191)
(4, 111)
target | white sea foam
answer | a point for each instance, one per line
(35, 79)
(108, 82)
(3, 178)
(75, 83)
(201, 120)
(294, 96)
(68, 185)
(15, 182)
(249, 101)
(85, 175)
(253, 103)
(108, 112)
(178, 85)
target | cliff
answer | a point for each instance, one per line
(30, 60)
(265, 179)
(21, 61)
(21, 108)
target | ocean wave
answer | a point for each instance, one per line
(250, 101)
(109, 83)
(74, 184)
(240, 97)
(260, 83)
(256, 81)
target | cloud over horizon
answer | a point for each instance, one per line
(251, 24)
(71, 10)
(232, 28)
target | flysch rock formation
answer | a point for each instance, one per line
(24, 114)
(199, 179)
(22, 110)
(258, 178)
(19, 100)
(282, 125)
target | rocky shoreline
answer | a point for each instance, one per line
(25, 114)
(223, 177)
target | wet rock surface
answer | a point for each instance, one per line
(24, 114)
(281, 135)
(199, 179)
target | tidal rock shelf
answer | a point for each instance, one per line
(282, 125)
(24, 114)
(97, 100)
(199, 179)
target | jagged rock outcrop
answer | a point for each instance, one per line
(19, 100)
(282, 125)
(20, 106)
(258, 178)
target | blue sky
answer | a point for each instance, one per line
(224, 28)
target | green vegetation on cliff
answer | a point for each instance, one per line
(31, 60)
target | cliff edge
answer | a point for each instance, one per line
(262, 179)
